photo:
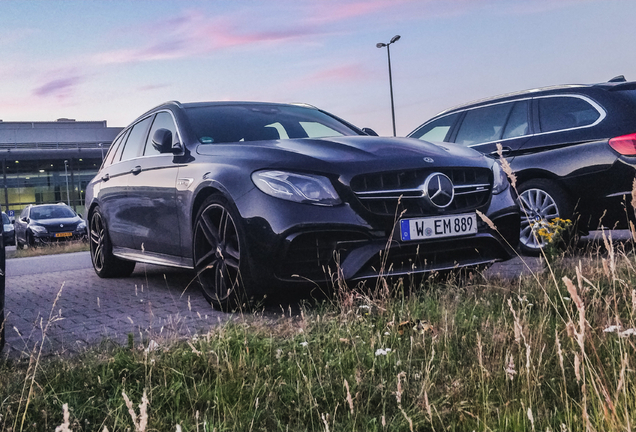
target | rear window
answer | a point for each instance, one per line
(565, 112)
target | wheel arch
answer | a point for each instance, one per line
(537, 174)
(200, 197)
(90, 210)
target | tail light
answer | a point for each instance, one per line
(625, 145)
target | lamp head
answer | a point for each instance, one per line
(395, 38)
(380, 45)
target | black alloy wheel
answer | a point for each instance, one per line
(217, 254)
(106, 264)
(541, 202)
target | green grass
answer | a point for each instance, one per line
(55, 248)
(456, 355)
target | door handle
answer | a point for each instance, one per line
(136, 170)
(504, 152)
(106, 177)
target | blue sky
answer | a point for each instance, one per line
(112, 60)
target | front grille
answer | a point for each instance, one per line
(58, 229)
(401, 191)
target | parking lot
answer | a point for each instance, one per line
(58, 303)
(74, 308)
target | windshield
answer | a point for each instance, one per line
(51, 212)
(235, 123)
(5, 219)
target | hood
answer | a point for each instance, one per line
(357, 149)
(56, 222)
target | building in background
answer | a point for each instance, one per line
(49, 162)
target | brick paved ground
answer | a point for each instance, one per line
(151, 304)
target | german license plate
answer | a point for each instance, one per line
(63, 234)
(438, 227)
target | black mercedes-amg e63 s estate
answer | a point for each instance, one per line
(253, 196)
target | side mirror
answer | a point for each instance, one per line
(162, 141)
(369, 131)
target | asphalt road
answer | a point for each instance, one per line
(47, 264)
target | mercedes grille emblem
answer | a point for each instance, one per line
(438, 190)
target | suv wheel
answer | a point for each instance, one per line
(541, 201)
(106, 264)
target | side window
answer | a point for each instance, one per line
(114, 148)
(436, 130)
(136, 139)
(163, 120)
(25, 213)
(484, 124)
(518, 121)
(565, 112)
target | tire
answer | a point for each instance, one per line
(540, 201)
(219, 254)
(30, 241)
(106, 264)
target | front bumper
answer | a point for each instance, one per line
(299, 243)
(8, 238)
(48, 238)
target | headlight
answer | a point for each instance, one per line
(38, 229)
(81, 226)
(500, 182)
(302, 188)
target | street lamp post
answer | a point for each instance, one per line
(388, 53)
(68, 196)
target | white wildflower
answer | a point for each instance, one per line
(612, 329)
(510, 369)
(381, 351)
(304, 344)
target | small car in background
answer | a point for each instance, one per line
(8, 232)
(253, 196)
(571, 147)
(48, 223)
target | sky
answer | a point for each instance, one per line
(113, 60)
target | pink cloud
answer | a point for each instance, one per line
(194, 34)
(60, 87)
(333, 11)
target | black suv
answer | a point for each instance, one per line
(572, 148)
